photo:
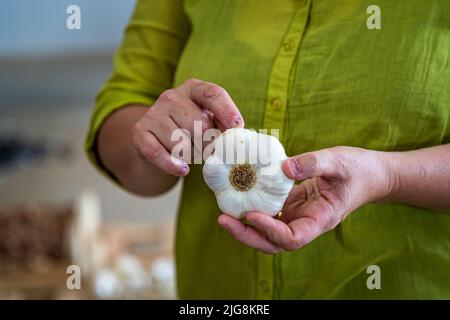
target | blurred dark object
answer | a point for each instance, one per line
(33, 236)
(39, 241)
(20, 151)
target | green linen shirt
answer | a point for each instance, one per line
(314, 70)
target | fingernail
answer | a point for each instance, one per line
(294, 167)
(236, 122)
(185, 169)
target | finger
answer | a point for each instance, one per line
(219, 125)
(247, 234)
(295, 199)
(216, 121)
(185, 113)
(312, 164)
(166, 131)
(289, 213)
(196, 122)
(217, 100)
(295, 195)
(186, 86)
(290, 236)
(156, 154)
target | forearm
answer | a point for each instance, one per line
(420, 177)
(119, 156)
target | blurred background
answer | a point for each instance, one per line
(55, 209)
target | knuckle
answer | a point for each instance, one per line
(152, 150)
(136, 129)
(342, 164)
(213, 91)
(191, 82)
(170, 95)
(152, 112)
(308, 163)
(292, 245)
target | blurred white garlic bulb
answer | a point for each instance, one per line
(245, 173)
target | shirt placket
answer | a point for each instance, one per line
(275, 118)
(280, 77)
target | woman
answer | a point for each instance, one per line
(315, 71)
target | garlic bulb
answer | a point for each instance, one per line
(245, 173)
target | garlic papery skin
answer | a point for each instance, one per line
(245, 173)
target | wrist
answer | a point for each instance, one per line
(114, 143)
(389, 181)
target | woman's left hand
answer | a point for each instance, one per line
(335, 182)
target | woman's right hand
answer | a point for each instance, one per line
(134, 143)
(178, 108)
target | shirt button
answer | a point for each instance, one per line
(277, 103)
(289, 45)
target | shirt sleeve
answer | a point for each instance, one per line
(144, 64)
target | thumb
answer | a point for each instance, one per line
(311, 164)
